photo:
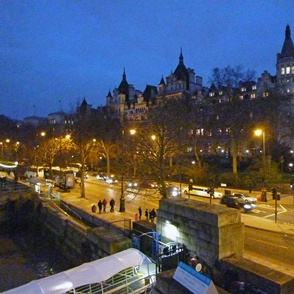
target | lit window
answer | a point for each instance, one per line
(282, 70)
(254, 87)
(217, 117)
(241, 97)
(243, 89)
(292, 69)
(227, 131)
(219, 131)
(219, 100)
(288, 90)
(287, 70)
(253, 95)
(265, 94)
(221, 92)
(211, 94)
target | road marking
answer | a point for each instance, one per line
(284, 210)
(256, 240)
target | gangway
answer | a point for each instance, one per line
(128, 271)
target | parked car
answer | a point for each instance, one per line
(238, 203)
(245, 197)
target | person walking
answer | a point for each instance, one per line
(112, 203)
(140, 212)
(152, 215)
(146, 214)
(100, 206)
(104, 204)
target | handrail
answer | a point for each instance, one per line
(70, 211)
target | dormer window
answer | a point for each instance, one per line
(243, 89)
(254, 87)
(211, 94)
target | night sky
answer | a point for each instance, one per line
(54, 53)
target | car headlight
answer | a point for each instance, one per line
(247, 206)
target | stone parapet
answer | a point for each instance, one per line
(257, 275)
(209, 231)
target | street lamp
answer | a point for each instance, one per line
(259, 132)
(2, 145)
(122, 207)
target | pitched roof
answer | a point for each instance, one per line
(181, 71)
(288, 47)
(123, 88)
(162, 82)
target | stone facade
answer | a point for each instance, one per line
(209, 231)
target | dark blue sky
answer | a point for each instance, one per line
(56, 50)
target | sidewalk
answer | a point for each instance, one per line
(131, 207)
(265, 224)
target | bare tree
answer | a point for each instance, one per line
(160, 139)
(228, 114)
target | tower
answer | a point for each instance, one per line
(285, 65)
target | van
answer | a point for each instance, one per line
(202, 191)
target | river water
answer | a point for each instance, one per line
(25, 257)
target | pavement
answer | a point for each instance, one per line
(132, 205)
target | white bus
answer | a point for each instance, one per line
(202, 191)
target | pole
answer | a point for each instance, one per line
(122, 197)
(263, 157)
(276, 208)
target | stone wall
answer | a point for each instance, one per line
(209, 231)
(79, 242)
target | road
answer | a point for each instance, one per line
(271, 249)
(275, 250)
(148, 198)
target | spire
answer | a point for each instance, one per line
(288, 47)
(123, 88)
(124, 75)
(109, 94)
(162, 81)
(181, 58)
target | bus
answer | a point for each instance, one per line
(202, 191)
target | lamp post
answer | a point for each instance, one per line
(2, 146)
(260, 132)
(122, 207)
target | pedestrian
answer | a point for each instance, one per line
(112, 203)
(136, 217)
(153, 215)
(94, 208)
(100, 206)
(150, 214)
(104, 204)
(146, 214)
(140, 212)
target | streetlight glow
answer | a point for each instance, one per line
(258, 132)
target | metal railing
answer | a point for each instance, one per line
(129, 280)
